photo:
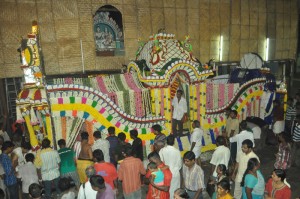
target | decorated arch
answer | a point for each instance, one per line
(137, 99)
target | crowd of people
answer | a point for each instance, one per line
(111, 167)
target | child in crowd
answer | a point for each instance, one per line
(283, 157)
(222, 175)
(158, 178)
(156, 173)
(28, 174)
(64, 185)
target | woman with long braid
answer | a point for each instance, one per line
(253, 182)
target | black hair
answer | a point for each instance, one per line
(182, 193)
(170, 140)
(97, 181)
(223, 169)
(29, 157)
(189, 155)
(6, 145)
(234, 111)
(1, 138)
(180, 91)
(61, 142)
(152, 165)
(111, 130)
(2, 195)
(280, 173)
(122, 136)
(46, 143)
(84, 135)
(26, 145)
(156, 127)
(35, 190)
(224, 184)
(220, 140)
(98, 155)
(127, 150)
(97, 134)
(64, 184)
(249, 143)
(197, 123)
(154, 155)
(253, 162)
(133, 133)
(243, 125)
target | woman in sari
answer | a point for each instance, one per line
(277, 187)
(253, 183)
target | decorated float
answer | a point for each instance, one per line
(138, 98)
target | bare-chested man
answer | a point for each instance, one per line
(85, 157)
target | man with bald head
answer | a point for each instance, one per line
(158, 145)
(86, 190)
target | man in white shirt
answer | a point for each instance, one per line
(243, 135)
(101, 144)
(171, 156)
(221, 155)
(196, 140)
(86, 190)
(241, 166)
(179, 108)
(28, 174)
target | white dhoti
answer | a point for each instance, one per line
(175, 182)
(278, 127)
(197, 151)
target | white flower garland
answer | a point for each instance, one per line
(132, 102)
(114, 84)
(72, 137)
(69, 122)
(57, 127)
(120, 100)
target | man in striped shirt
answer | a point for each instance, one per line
(129, 173)
(290, 114)
(47, 162)
(296, 140)
(193, 176)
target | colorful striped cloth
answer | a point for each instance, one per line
(218, 95)
(122, 89)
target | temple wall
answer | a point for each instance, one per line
(244, 24)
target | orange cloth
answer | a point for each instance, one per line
(284, 192)
(107, 171)
(167, 182)
(130, 174)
